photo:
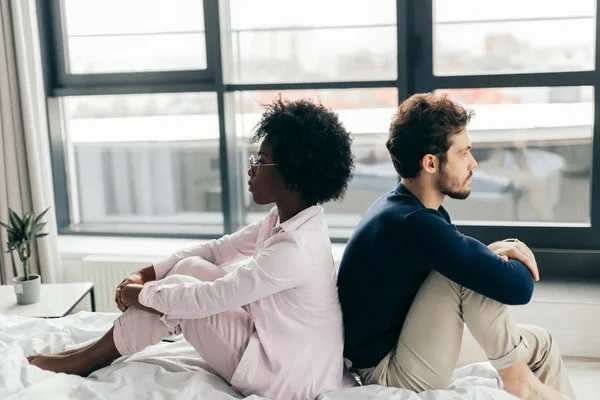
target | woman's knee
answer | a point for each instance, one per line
(198, 268)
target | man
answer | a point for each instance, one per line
(409, 281)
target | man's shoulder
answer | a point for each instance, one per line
(391, 211)
(385, 220)
(424, 215)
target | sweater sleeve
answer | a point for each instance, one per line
(465, 260)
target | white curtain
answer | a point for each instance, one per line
(25, 173)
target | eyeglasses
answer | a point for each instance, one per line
(254, 164)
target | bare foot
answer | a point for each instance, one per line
(521, 382)
(533, 391)
(62, 353)
(58, 363)
(73, 351)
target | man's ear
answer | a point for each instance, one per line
(429, 163)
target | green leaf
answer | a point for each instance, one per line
(15, 221)
(37, 228)
(4, 225)
(42, 235)
(24, 222)
(28, 227)
(41, 215)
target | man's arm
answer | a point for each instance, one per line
(515, 249)
(440, 246)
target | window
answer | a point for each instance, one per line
(534, 147)
(313, 41)
(150, 114)
(144, 162)
(143, 35)
(482, 37)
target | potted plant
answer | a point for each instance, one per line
(22, 232)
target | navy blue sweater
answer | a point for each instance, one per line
(394, 247)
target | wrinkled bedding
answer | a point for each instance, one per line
(166, 370)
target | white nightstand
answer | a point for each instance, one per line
(56, 300)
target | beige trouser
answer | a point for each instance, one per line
(432, 336)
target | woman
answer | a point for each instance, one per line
(273, 326)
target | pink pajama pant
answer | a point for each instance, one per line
(220, 339)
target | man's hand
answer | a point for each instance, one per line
(135, 278)
(513, 248)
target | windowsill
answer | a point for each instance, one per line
(77, 246)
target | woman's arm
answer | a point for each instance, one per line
(219, 252)
(148, 274)
(282, 265)
(129, 297)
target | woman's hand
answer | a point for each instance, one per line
(136, 279)
(129, 295)
(130, 298)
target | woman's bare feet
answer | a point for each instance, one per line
(72, 351)
(68, 364)
(62, 353)
(81, 361)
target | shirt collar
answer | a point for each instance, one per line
(297, 220)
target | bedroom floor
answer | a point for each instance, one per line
(585, 376)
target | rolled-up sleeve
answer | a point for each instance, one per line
(220, 252)
(282, 265)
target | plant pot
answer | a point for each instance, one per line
(28, 292)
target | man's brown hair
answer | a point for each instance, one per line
(422, 125)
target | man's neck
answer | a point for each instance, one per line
(425, 192)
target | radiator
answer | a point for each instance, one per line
(106, 272)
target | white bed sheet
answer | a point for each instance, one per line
(164, 371)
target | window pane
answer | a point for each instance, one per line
(293, 43)
(147, 163)
(143, 35)
(366, 113)
(474, 37)
(534, 151)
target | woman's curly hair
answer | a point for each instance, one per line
(310, 146)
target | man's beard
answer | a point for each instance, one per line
(451, 187)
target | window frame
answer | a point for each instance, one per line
(564, 252)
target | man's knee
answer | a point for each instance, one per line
(542, 346)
